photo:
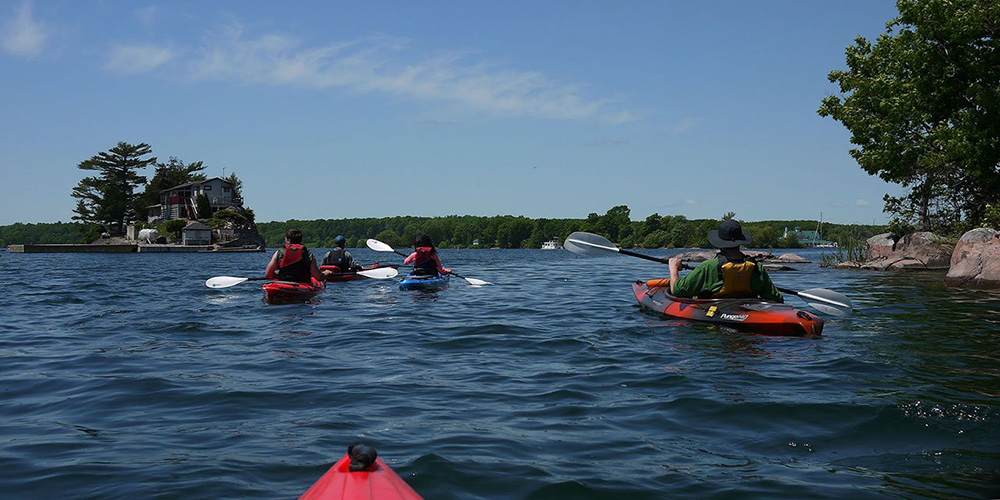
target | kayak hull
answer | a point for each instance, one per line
(377, 482)
(436, 282)
(750, 315)
(290, 292)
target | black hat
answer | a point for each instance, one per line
(340, 241)
(729, 235)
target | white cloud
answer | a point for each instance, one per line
(862, 203)
(138, 58)
(23, 36)
(146, 15)
(389, 65)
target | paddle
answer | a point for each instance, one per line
(823, 300)
(381, 273)
(378, 246)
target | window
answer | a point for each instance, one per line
(206, 188)
(225, 189)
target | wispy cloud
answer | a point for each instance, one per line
(146, 15)
(686, 125)
(862, 203)
(391, 66)
(23, 36)
(607, 142)
(138, 58)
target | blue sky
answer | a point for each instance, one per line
(372, 109)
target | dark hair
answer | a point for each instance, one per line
(423, 241)
(294, 236)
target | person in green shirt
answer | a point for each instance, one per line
(730, 275)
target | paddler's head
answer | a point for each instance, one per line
(293, 236)
(423, 241)
(730, 234)
(340, 241)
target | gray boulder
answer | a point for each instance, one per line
(922, 251)
(975, 263)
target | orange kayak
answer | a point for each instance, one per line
(751, 315)
(376, 482)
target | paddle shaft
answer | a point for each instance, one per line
(449, 272)
(686, 266)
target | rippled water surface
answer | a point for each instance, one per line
(123, 376)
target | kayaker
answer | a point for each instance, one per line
(424, 258)
(338, 256)
(731, 274)
(294, 262)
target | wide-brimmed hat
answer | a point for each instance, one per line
(730, 234)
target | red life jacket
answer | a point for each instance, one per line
(424, 264)
(295, 264)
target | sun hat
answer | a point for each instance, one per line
(729, 235)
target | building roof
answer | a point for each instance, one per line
(196, 226)
(195, 183)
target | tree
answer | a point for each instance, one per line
(923, 108)
(237, 188)
(109, 197)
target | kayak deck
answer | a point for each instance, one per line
(750, 314)
(424, 282)
(377, 482)
(290, 292)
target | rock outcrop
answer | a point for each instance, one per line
(975, 263)
(760, 256)
(921, 251)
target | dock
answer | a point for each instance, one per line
(125, 248)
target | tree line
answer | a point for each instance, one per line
(507, 231)
(502, 231)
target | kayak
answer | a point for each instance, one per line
(435, 282)
(289, 292)
(339, 276)
(751, 315)
(377, 482)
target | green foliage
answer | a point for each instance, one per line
(923, 109)
(172, 228)
(991, 216)
(204, 206)
(109, 197)
(56, 232)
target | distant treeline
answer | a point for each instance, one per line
(504, 231)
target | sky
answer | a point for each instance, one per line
(336, 109)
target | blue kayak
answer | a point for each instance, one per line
(435, 282)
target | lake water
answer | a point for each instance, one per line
(124, 377)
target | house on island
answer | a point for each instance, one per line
(196, 233)
(808, 238)
(180, 202)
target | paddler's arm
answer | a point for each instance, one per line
(762, 284)
(272, 266)
(697, 282)
(315, 270)
(675, 265)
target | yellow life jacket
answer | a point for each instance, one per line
(735, 278)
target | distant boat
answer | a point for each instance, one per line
(551, 245)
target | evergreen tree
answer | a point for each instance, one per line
(109, 197)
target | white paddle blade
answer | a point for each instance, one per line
(477, 282)
(382, 273)
(224, 281)
(827, 301)
(589, 244)
(378, 246)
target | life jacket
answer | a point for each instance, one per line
(295, 264)
(337, 257)
(424, 264)
(736, 277)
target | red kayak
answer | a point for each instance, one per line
(376, 482)
(751, 315)
(290, 292)
(339, 275)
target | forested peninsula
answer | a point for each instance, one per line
(502, 231)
